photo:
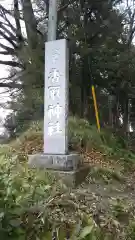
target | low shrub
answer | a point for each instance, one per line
(32, 204)
(82, 135)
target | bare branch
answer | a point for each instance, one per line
(63, 7)
(6, 91)
(8, 31)
(3, 15)
(10, 25)
(127, 3)
(8, 39)
(6, 11)
(11, 85)
(4, 53)
(9, 50)
(11, 63)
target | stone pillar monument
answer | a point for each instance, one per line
(56, 98)
(55, 155)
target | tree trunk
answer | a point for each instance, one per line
(30, 23)
(17, 21)
(84, 88)
(125, 116)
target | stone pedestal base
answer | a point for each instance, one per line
(67, 162)
(65, 167)
(72, 178)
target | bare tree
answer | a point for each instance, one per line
(14, 42)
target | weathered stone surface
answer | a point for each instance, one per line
(57, 162)
(56, 97)
(72, 178)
